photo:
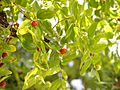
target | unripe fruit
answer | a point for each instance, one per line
(63, 50)
(4, 55)
(34, 23)
(117, 84)
(2, 84)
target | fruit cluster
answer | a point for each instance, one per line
(3, 83)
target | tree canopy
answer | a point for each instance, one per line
(45, 44)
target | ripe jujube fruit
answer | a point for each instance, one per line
(117, 84)
(34, 23)
(4, 55)
(118, 19)
(16, 25)
(39, 49)
(63, 50)
(1, 64)
(2, 84)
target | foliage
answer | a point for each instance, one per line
(88, 30)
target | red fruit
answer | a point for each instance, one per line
(4, 55)
(117, 84)
(39, 49)
(2, 84)
(63, 50)
(16, 25)
(118, 19)
(34, 23)
(1, 64)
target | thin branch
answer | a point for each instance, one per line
(60, 21)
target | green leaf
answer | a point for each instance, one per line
(22, 31)
(3, 78)
(27, 42)
(52, 71)
(11, 48)
(29, 74)
(91, 30)
(35, 6)
(93, 3)
(31, 81)
(95, 59)
(47, 27)
(56, 84)
(4, 72)
(46, 14)
(36, 56)
(68, 58)
(69, 31)
(84, 58)
(64, 74)
(85, 67)
(31, 78)
(97, 75)
(9, 59)
(98, 48)
(54, 59)
(25, 23)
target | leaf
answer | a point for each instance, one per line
(69, 31)
(54, 59)
(84, 58)
(3, 78)
(11, 48)
(27, 42)
(97, 75)
(76, 30)
(98, 48)
(35, 6)
(55, 85)
(30, 78)
(29, 74)
(22, 31)
(91, 30)
(36, 56)
(95, 59)
(25, 23)
(4, 72)
(31, 81)
(9, 59)
(85, 67)
(44, 61)
(46, 14)
(63, 84)
(64, 74)
(69, 57)
(52, 71)
(46, 26)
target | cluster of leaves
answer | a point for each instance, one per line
(86, 30)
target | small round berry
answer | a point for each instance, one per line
(118, 19)
(1, 64)
(47, 49)
(34, 23)
(63, 50)
(2, 84)
(16, 25)
(117, 84)
(4, 55)
(39, 49)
